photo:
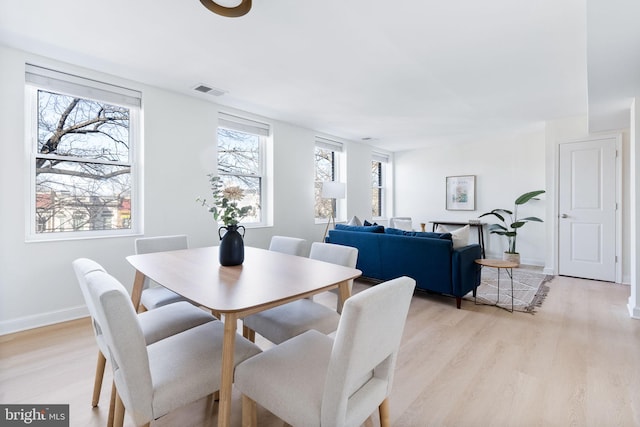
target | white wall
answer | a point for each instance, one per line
(37, 285)
(505, 167)
(634, 298)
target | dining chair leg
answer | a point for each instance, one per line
(249, 415)
(249, 334)
(112, 405)
(383, 410)
(97, 383)
(118, 415)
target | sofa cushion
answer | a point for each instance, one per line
(395, 231)
(460, 236)
(365, 229)
(432, 235)
(428, 234)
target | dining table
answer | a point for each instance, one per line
(264, 280)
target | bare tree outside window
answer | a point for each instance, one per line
(240, 164)
(325, 161)
(82, 165)
(376, 189)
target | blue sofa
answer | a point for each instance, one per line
(429, 258)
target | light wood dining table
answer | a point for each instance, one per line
(266, 279)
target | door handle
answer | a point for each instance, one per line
(564, 216)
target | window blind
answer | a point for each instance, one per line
(328, 144)
(380, 157)
(72, 85)
(242, 124)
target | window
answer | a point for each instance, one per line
(378, 176)
(241, 161)
(327, 166)
(82, 156)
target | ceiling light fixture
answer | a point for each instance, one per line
(231, 12)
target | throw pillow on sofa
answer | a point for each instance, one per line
(460, 236)
(431, 235)
(370, 229)
(355, 221)
(427, 234)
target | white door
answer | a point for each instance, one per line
(587, 209)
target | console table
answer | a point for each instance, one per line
(478, 225)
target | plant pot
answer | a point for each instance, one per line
(511, 257)
(231, 250)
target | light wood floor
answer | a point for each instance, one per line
(575, 362)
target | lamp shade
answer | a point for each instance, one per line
(333, 190)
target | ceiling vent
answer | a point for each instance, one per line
(209, 90)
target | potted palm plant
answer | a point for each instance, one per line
(510, 223)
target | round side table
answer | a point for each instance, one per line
(499, 264)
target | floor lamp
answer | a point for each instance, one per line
(332, 190)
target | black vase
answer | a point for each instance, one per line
(231, 251)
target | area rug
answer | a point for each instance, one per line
(529, 289)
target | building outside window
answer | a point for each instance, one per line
(242, 161)
(378, 184)
(327, 168)
(82, 136)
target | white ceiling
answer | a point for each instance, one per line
(407, 73)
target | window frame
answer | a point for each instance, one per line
(59, 82)
(246, 125)
(382, 159)
(337, 149)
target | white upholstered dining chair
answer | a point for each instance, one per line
(153, 380)
(287, 245)
(155, 325)
(280, 323)
(314, 380)
(154, 296)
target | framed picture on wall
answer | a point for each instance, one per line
(461, 193)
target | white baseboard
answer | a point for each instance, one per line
(44, 319)
(634, 311)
